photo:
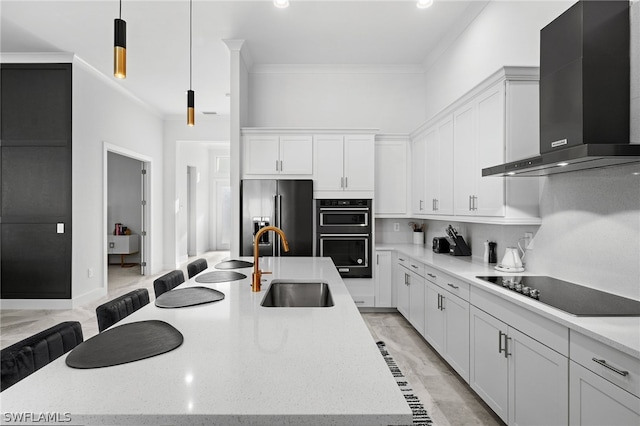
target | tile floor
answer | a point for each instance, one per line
(448, 399)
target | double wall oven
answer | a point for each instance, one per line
(343, 229)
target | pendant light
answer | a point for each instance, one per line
(191, 112)
(120, 46)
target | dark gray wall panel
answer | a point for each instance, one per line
(36, 181)
(36, 104)
(36, 262)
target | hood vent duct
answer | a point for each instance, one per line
(584, 93)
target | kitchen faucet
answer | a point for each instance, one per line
(257, 273)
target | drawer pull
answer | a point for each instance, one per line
(414, 266)
(454, 286)
(431, 275)
(603, 363)
(401, 259)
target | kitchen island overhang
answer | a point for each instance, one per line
(240, 363)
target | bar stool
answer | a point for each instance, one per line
(28, 355)
(197, 266)
(114, 310)
(168, 282)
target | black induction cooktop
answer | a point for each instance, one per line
(568, 297)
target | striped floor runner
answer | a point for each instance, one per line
(420, 415)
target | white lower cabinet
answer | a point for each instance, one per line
(521, 379)
(604, 385)
(410, 292)
(416, 301)
(595, 401)
(383, 280)
(402, 289)
(447, 327)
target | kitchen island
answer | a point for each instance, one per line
(240, 363)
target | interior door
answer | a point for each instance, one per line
(35, 170)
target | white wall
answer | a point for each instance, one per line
(337, 97)
(206, 129)
(103, 113)
(123, 198)
(193, 154)
(504, 33)
(590, 231)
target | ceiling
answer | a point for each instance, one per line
(357, 32)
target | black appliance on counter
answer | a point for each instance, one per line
(343, 231)
(287, 204)
(457, 246)
(584, 93)
(571, 298)
(440, 245)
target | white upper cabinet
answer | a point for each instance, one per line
(272, 154)
(418, 194)
(439, 168)
(391, 177)
(479, 142)
(495, 122)
(344, 165)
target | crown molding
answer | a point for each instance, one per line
(305, 130)
(336, 69)
(393, 137)
(36, 57)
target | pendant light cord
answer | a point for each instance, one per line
(120, 13)
(190, 42)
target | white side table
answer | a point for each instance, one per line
(123, 245)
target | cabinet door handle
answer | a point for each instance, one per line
(421, 201)
(500, 348)
(603, 363)
(342, 182)
(346, 181)
(506, 346)
(277, 166)
(470, 207)
(281, 168)
(475, 202)
(454, 286)
(439, 301)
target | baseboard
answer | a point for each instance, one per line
(56, 304)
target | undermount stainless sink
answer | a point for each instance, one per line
(297, 294)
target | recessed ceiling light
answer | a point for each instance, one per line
(636, 173)
(423, 4)
(282, 4)
(562, 164)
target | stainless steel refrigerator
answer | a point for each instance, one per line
(287, 204)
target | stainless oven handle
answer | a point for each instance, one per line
(343, 235)
(360, 209)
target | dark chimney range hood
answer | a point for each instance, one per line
(584, 93)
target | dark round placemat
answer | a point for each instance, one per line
(189, 296)
(234, 264)
(125, 343)
(220, 277)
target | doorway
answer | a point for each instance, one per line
(192, 211)
(126, 215)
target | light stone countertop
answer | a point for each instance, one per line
(240, 364)
(622, 333)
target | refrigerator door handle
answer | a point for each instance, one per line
(278, 222)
